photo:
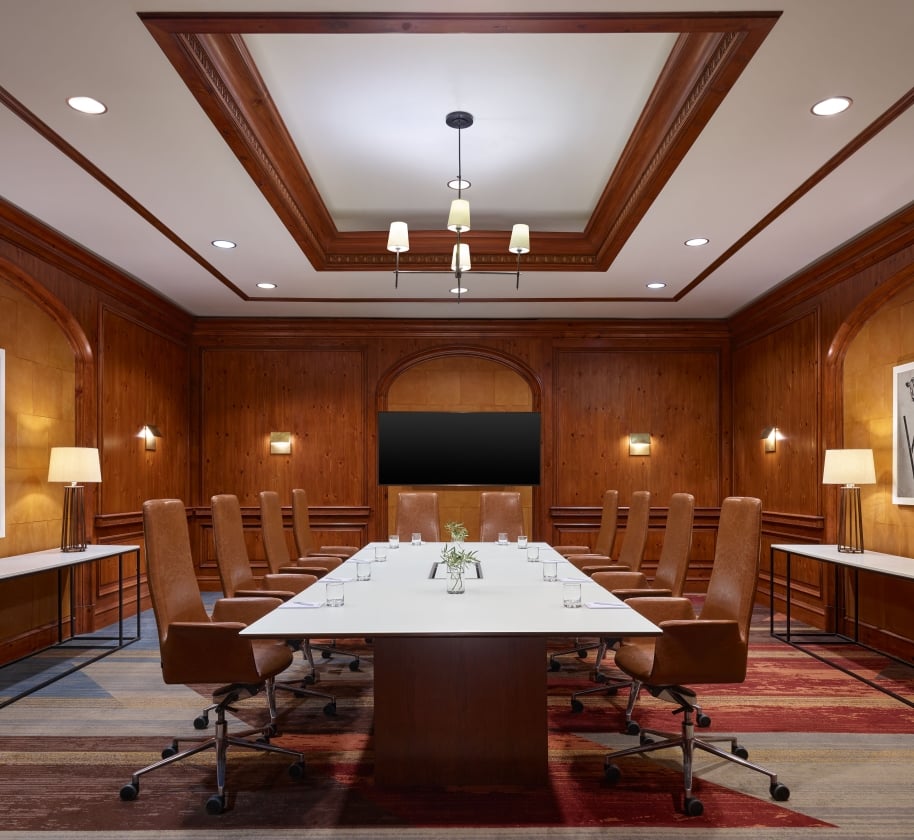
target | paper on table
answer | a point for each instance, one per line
(604, 605)
(306, 605)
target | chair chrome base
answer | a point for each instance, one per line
(688, 743)
(220, 742)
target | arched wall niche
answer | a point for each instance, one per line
(459, 379)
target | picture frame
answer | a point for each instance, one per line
(903, 434)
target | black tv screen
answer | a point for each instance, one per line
(443, 447)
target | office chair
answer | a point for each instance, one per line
(238, 580)
(631, 554)
(195, 648)
(417, 513)
(710, 649)
(301, 531)
(500, 512)
(669, 581)
(276, 550)
(606, 536)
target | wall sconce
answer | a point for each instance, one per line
(280, 443)
(149, 433)
(72, 465)
(849, 467)
(639, 443)
(770, 436)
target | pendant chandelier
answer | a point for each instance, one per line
(459, 222)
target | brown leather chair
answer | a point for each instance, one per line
(709, 649)
(634, 540)
(195, 648)
(238, 579)
(500, 512)
(669, 581)
(417, 513)
(304, 538)
(606, 536)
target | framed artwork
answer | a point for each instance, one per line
(903, 434)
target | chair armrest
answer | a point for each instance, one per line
(572, 549)
(282, 594)
(613, 580)
(616, 567)
(648, 592)
(343, 551)
(208, 652)
(324, 561)
(245, 610)
(294, 583)
(699, 651)
(664, 609)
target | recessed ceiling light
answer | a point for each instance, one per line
(86, 105)
(831, 106)
(696, 242)
(461, 290)
(656, 285)
(224, 243)
(266, 285)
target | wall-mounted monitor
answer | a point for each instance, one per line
(468, 448)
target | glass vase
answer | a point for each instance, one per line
(455, 581)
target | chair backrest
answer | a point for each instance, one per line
(417, 513)
(500, 512)
(231, 549)
(301, 523)
(734, 575)
(673, 565)
(273, 534)
(635, 538)
(170, 574)
(608, 521)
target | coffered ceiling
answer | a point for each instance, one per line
(615, 131)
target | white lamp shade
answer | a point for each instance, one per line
(464, 257)
(458, 219)
(520, 239)
(398, 238)
(73, 464)
(849, 466)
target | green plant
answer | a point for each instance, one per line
(457, 530)
(456, 558)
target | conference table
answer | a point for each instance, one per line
(459, 680)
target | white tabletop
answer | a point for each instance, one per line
(870, 561)
(19, 565)
(511, 599)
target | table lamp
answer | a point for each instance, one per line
(849, 468)
(72, 465)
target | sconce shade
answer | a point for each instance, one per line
(280, 443)
(458, 219)
(639, 443)
(849, 466)
(520, 239)
(464, 257)
(149, 433)
(770, 436)
(74, 465)
(398, 238)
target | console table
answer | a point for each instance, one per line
(459, 680)
(63, 562)
(842, 562)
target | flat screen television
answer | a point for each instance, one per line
(467, 448)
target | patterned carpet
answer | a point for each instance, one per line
(844, 749)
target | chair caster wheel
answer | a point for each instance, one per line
(354, 665)
(702, 721)
(311, 679)
(555, 665)
(693, 806)
(325, 654)
(130, 792)
(582, 654)
(632, 728)
(779, 792)
(330, 710)
(740, 752)
(297, 770)
(215, 804)
(577, 706)
(201, 722)
(612, 773)
(645, 740)
(168, 752)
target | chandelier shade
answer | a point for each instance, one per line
(458, 221)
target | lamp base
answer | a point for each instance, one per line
(73, 525)
(850, 520)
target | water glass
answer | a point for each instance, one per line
(334, 590)
(502, 537)
(533, 554)
(363, 570)
(393, 541)
(417, 538)
(550, 570)
(380, 553)
(521, 541)
(571, 595)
